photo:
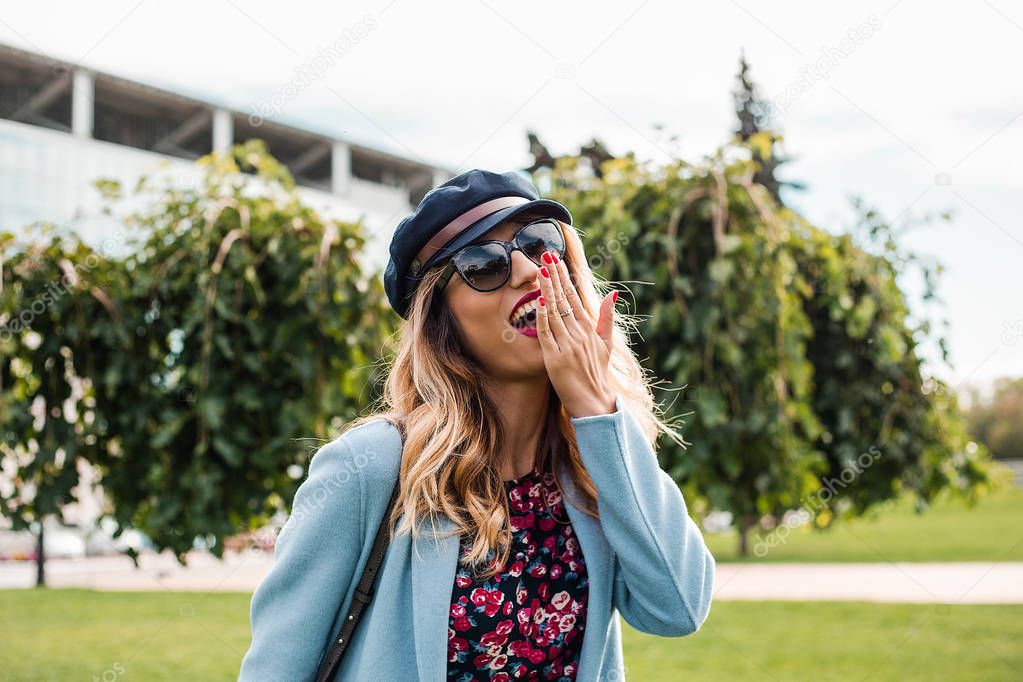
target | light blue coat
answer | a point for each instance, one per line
(645, 558)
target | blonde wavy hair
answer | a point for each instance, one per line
(436, 394)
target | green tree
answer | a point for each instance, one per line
(250, 322)
(791, 344)
(755, 117)
(237, 322)
(878, 408)
(997, 421)
(52, 286)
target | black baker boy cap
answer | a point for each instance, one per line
(454, 214)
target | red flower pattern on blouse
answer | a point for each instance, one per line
(527, 622)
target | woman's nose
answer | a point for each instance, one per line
(523, 269)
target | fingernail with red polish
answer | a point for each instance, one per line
(614, 297)
(543, 302)
(545, 272)
(555, 257)
(547, 257)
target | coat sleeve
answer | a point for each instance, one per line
(295, 606)
(663, 570)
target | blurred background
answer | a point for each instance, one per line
(809, 210)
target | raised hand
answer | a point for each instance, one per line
(576, 349)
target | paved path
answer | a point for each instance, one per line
(963, 583)
(950, 583)
(239, 572)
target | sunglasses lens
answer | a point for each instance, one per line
(484, 266)
(538, 237)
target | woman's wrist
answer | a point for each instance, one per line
(599, 405)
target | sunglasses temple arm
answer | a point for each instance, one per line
(449, 270)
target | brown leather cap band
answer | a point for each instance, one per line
(449, 231)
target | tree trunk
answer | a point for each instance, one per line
(746, 522)
(40, 558)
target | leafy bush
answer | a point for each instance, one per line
(791, 345)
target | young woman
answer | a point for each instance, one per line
(531, 510)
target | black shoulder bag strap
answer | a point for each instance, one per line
(363, 592)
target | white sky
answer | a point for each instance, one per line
(927, 88)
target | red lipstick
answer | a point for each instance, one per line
(526, 298)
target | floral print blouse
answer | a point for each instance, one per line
(527, 622)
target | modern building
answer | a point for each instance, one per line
(63, 125)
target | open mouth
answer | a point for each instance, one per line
(525, 316)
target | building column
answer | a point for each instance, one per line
(83, 103)
(223, 130)
(340, 168)
(440, 177)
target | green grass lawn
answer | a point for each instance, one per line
(948, 531)
(69, 634)
(63, 634)
(837, 641)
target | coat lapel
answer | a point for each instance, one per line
(435, 561)
(598, 557)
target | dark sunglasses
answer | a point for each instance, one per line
(486, 266)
